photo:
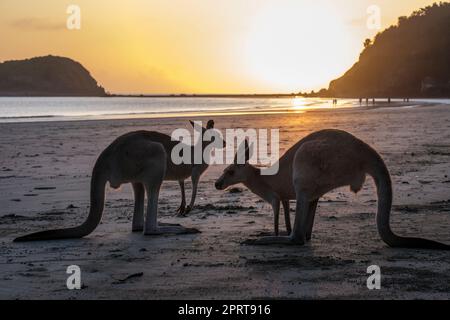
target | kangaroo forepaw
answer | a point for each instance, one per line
(190, 231)
(169, 224)
(181, 210)
(188, 209)
(137, 226)
(170, 229)
(264, 241)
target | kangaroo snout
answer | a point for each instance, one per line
(219, 185)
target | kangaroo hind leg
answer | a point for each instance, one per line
(298, 235)
(287, 216)
(195, 179)
(310, 219)
(151, 226)
(139, 199)
(181, 210)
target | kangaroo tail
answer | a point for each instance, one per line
(98, 182)
(380, 174)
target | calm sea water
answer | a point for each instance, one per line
(26, 109)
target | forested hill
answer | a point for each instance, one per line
(410, 59)
(47, 76)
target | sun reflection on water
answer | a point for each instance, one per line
(300, 103)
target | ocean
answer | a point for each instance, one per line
(33, 109)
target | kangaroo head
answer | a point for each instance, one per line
(209, 125)
(238, 172)
(206, 141)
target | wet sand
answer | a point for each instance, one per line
(44, 183)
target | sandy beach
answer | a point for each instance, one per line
(45, 170)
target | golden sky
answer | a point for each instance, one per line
(199, 46)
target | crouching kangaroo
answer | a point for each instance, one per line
(322, 161)
(142, 158)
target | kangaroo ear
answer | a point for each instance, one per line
(210, 124)
(242, 150)
(248, 151)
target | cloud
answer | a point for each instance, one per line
(37, 24)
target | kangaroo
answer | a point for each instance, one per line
(142, 158)
(320, 162)
(184, 171)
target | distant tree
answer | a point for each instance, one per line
(367, 43)
(402, 20)
(323, 92)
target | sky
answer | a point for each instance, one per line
(200, 46)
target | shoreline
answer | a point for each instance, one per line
(227, 95)
(221, 113)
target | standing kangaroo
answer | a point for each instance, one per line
(320, 162)
(142, 158)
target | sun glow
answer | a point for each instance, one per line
(199, 46)
(299, 45)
